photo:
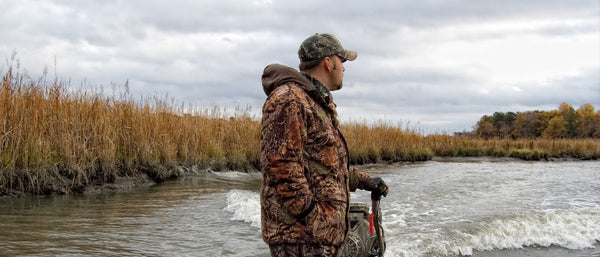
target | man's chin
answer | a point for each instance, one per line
(338, 87)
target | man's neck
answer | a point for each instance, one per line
(321, 88)
(320, 76)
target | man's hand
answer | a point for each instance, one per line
(377, 188)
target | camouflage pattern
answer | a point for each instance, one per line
(304, 250)
(304, 159)
(318, 46)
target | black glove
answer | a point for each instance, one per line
(377, 188)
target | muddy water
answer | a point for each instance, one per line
(183, 218)
(438, 208)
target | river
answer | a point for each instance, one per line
(447, 207)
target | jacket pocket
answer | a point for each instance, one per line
(326, 223)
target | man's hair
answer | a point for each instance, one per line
(304, 66)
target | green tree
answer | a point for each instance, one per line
(596, 133)
(504, 123)
(525, 125)
(570, 117)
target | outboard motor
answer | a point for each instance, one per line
(362, 241)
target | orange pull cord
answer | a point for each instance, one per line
(371, 224)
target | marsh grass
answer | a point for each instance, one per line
(54, 138)
(527, 149)
(384, 142)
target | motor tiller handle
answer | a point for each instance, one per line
(375, 197)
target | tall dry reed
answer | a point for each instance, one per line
(54, 138)
(527, 149)
(384, 142)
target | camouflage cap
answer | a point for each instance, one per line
(322, 45)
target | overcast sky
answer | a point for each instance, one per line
(434, 65)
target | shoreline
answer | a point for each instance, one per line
(142, 177)
(503, 159)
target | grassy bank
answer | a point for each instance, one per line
(57, 139)
(384, 142)
(526, 149)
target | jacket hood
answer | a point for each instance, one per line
(276, 74)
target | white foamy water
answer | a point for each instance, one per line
(448, 209)
(572, 230)
(558, 228)
(245, 206)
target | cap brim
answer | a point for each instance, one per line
(350, 55)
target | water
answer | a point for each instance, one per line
(437, 208)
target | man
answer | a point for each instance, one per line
(307, 179)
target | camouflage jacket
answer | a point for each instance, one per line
(307, 179)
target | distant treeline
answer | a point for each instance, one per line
(566, 122)
(54, 138)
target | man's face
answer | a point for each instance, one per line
(337, 73)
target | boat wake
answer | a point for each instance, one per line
(245, 206)
(567, 229)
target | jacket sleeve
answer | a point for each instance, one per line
(358, 179)
(282, 137)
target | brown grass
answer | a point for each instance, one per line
(53, 135)
(384, 142)
(527, 149)
(57, 139)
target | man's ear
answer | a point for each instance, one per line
(328, 64)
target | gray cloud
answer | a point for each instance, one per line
(438, 65)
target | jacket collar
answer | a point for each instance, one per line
(275, 75)
(322, 89)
